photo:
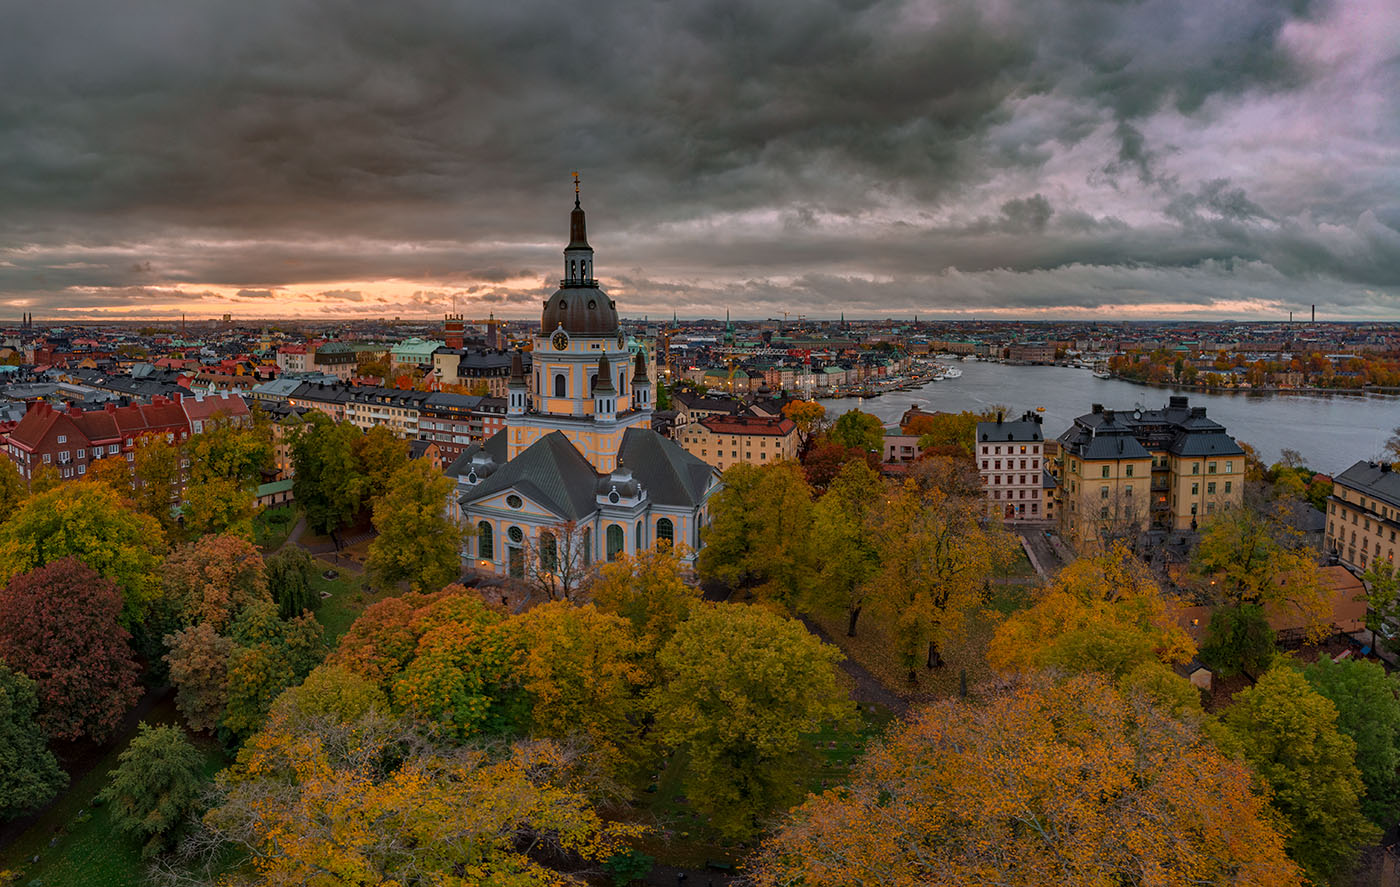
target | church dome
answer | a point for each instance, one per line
(580, 310)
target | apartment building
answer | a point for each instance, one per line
(724, 440)
(1124, 472)
(1010, 461)
(1363, 514)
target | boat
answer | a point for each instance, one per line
(1040, 409)
(952, 373)
(1102, 374)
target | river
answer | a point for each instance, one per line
(1331, 431)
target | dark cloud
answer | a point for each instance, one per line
(776, 151)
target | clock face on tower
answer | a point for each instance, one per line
(621, 340)
(560, 340)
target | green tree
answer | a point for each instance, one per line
(327, 481)
(154, 792)
(417, 540)
(647, 591)
(29, 775)
(380, 455)
(857, 430)
(289, 580)
(12, 489)
(1368, 710)
(153, 476)
(1288, 733)
(219, 506)
(270, 656)
(760, 537)
(849, 552)
(87, 522)
(742, 686)
(1382, 581)
(229, 451)
(1238, 639)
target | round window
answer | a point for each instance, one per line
(592, 304)
(516, 535)
(613, 497)
(514, 501)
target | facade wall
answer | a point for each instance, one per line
(723, 449)
(1103, 497)
(1012, 480)
(1360, 528)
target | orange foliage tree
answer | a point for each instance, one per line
(1043, 786)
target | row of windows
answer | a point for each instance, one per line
(1010, 463)
(1011, 450)
(1035, 494)
(549, 548)
(1010, 479)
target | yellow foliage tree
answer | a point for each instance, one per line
(647, 591)
(1044, 786)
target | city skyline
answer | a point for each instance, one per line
(1065, 160)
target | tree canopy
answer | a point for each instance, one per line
(418, 542)
(29, 774)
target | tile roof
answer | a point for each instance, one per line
(1373, 480)
(550, 471)
(670, 475)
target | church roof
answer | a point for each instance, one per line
(580, 310)
(670, 475)
(550, 471)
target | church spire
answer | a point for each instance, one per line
(578, 255)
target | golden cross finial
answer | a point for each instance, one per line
(575, 184)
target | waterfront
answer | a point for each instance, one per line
(1331, 431)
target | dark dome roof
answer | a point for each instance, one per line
(581, 310)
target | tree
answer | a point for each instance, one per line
(956, 433)
(1288, 734)
(59, 625)
(219, 506)
(649, 592)
(228, 451)
(580, 669)
(327, 481)
(45, 479)
(212, 579)
(380, 454)
(741, 687)
(12, 488)
(289, 573)
(154, 792)
(29, 775)
(557, 562)
(86, 522)
(810, 419)
(760, 532)
(1247, 559)
(1368, 710)
(1239, 639)
(1044, 784)
(270, 655)
(314, 800)
(115, 473)
(1392, 444)
(417, 540)
(152, 476)
(198, 660)
(1382, 581)
(935, 556)
(825, 457)
(1103, 614)
(849, 554)
(859, 431)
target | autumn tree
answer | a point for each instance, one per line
(198, 662)
(581, 672)
(29, 774)
(379, 454)
(825, 458)
(229, 451)
(418, 541)
(59, 625)
(935, 555)
(1368, 710)
(742, 686)
(153, 475)
(810, 419)
(848, 556)
(269, 655)
(155, 790)
(374, 804)
(647, 591)
(289, 573)
(1102, 614)
(219, 506)
(86, 522)
(759, 537)
(1382, 583)
(212, 579)
(859, 431)
(1288, 734)
(1043, 785)
(12, 488)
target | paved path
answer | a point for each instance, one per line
(868, 687)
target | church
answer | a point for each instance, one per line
(577, 476)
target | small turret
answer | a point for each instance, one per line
(517, 392)
(641, 383)
(604, 394)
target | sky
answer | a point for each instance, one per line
(1132, 159)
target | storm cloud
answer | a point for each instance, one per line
(354, 157)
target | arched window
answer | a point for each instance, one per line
(573, 268)
(622, 381)
(560, 386)
(615, 542)
(665, 531)
(549, 552)
(588, 546)
(485, 544)
(592, 383)
(640, 543)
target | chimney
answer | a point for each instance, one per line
(1097, 408)
(1385, 467)
(998, 417)
(1108, 415)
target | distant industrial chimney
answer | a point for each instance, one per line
(1314, 314)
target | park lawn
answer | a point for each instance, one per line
(89, 853)
(272, 526)
(346, 602)
(1019, 567)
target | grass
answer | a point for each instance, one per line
(1019, 567)
(273, 525)
(75, 842)
(345, 604)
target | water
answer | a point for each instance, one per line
(1331, 431)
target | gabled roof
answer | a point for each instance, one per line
(670, 475)
(550, 472)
